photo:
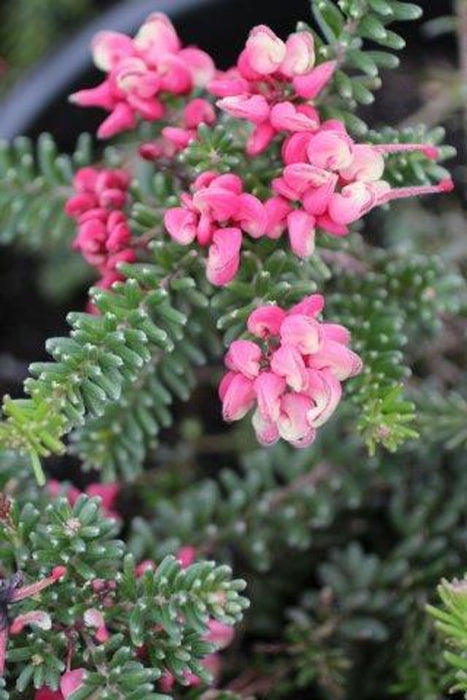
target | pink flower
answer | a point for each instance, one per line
(71, 681)
(292, 376)
(335, 181)
(141, 73)
(271, 86)
(217, 215)
(103, 236)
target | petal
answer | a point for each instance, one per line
(108, 48)
(302, 176)
(121, 119)
(301, 233)
(300, 54)
(351, 203)
(260, 138)
(157, 36)
(219, 202)
(309, 306)
(310, 85)
(238, 396)
(224, 86)
(37, 618)
(293, 424)
(100, 96)
(266, 320)
(266, 430)
(277, 210)
(326, 392)
(244, 356)
(316, 199)
(264, 50)
(71, 681)
(251, 215)
(198, 111)
(200, 65)
(229, 181)
(339, 359)
(330, 150)
(181, 225)
(285, 116)
(287, 362)
(224, 256)
(255, 108)
(302, 332)
(367, 165)
(334, 331)
(269, 387)
(295, 147)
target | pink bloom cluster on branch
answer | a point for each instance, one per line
(141, 73)
(291, 373)
(104, 237)
(217, 215)
(272, 84)
(335, 181)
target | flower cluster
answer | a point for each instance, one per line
(176, 138)
(292, 372)
(141, 72)
(103, 237)
(336, 181)
(216, 215)
(272, 84)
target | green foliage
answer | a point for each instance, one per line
(346, 26)
(35, 182)
(273, 505)
(166, 610)
(451, 621)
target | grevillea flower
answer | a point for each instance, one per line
(141, 73)
(217, 215)
(272, 86)
(291, 372)
(334, 182)
(103, 237)
(12, 591)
